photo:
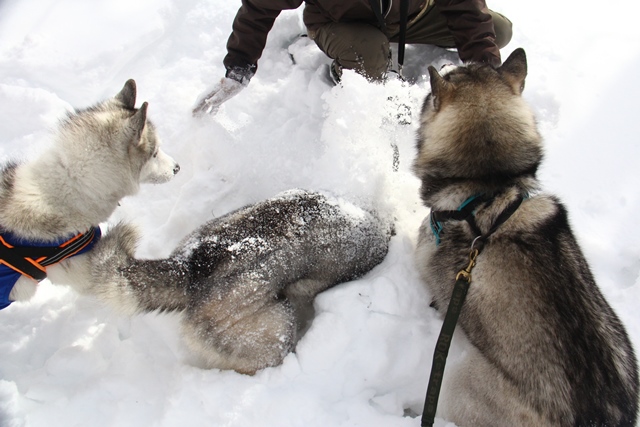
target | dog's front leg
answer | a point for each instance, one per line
(24, 289)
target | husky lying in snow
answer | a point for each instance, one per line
(547, 349)
(50, 207)
(244, 282)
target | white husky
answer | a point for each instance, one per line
(50, 208)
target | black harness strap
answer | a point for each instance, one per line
(32, 260)
(460, 289)
(22, 265)
(402, 37)
(464, 213)
(376, 6)
(70, 247)
(504, 216)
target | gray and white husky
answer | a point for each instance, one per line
(244, 283)
(546, 348)
(50, 207)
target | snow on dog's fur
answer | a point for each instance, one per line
(244, 283)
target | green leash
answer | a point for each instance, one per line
(463, 280)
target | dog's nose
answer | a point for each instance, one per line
(176, 169)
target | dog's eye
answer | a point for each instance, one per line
(155, 154)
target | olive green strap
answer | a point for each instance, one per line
(463, 280)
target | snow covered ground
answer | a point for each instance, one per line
(68, 361)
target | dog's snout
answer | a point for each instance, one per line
(176, 168)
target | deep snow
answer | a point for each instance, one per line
(69, 361)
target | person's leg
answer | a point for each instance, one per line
(432, 28)
(503, 28)
(355, 46)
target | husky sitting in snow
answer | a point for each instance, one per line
(244, 282)
(50, 207)
(547, 349)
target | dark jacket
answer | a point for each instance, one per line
(469, 22)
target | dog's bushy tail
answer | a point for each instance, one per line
(132, 285)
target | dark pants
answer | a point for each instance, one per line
(365, 48)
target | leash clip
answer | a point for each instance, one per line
(465, 274)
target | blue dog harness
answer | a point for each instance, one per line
(20, 257)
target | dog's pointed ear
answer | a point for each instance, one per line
(138, 121)
(127, 95)
(440, 88)
(514, 70)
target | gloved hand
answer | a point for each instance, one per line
(212, 98)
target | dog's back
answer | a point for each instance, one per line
(547, 349)
(245, 281)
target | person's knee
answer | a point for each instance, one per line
(503, 29)
(369, 59)
(359, 47)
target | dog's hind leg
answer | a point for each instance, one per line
(243, 337)
(306, 289)
(475, 393)
(301, 294)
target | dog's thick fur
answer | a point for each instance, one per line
(546, 348)
(100, 155)
(245, 282)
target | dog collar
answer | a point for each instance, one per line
(466, 212)
(28, 258)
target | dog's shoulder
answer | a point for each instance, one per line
(541, 222)
(538, 241)
(8, 174)
(535, 214)
(7, 185)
